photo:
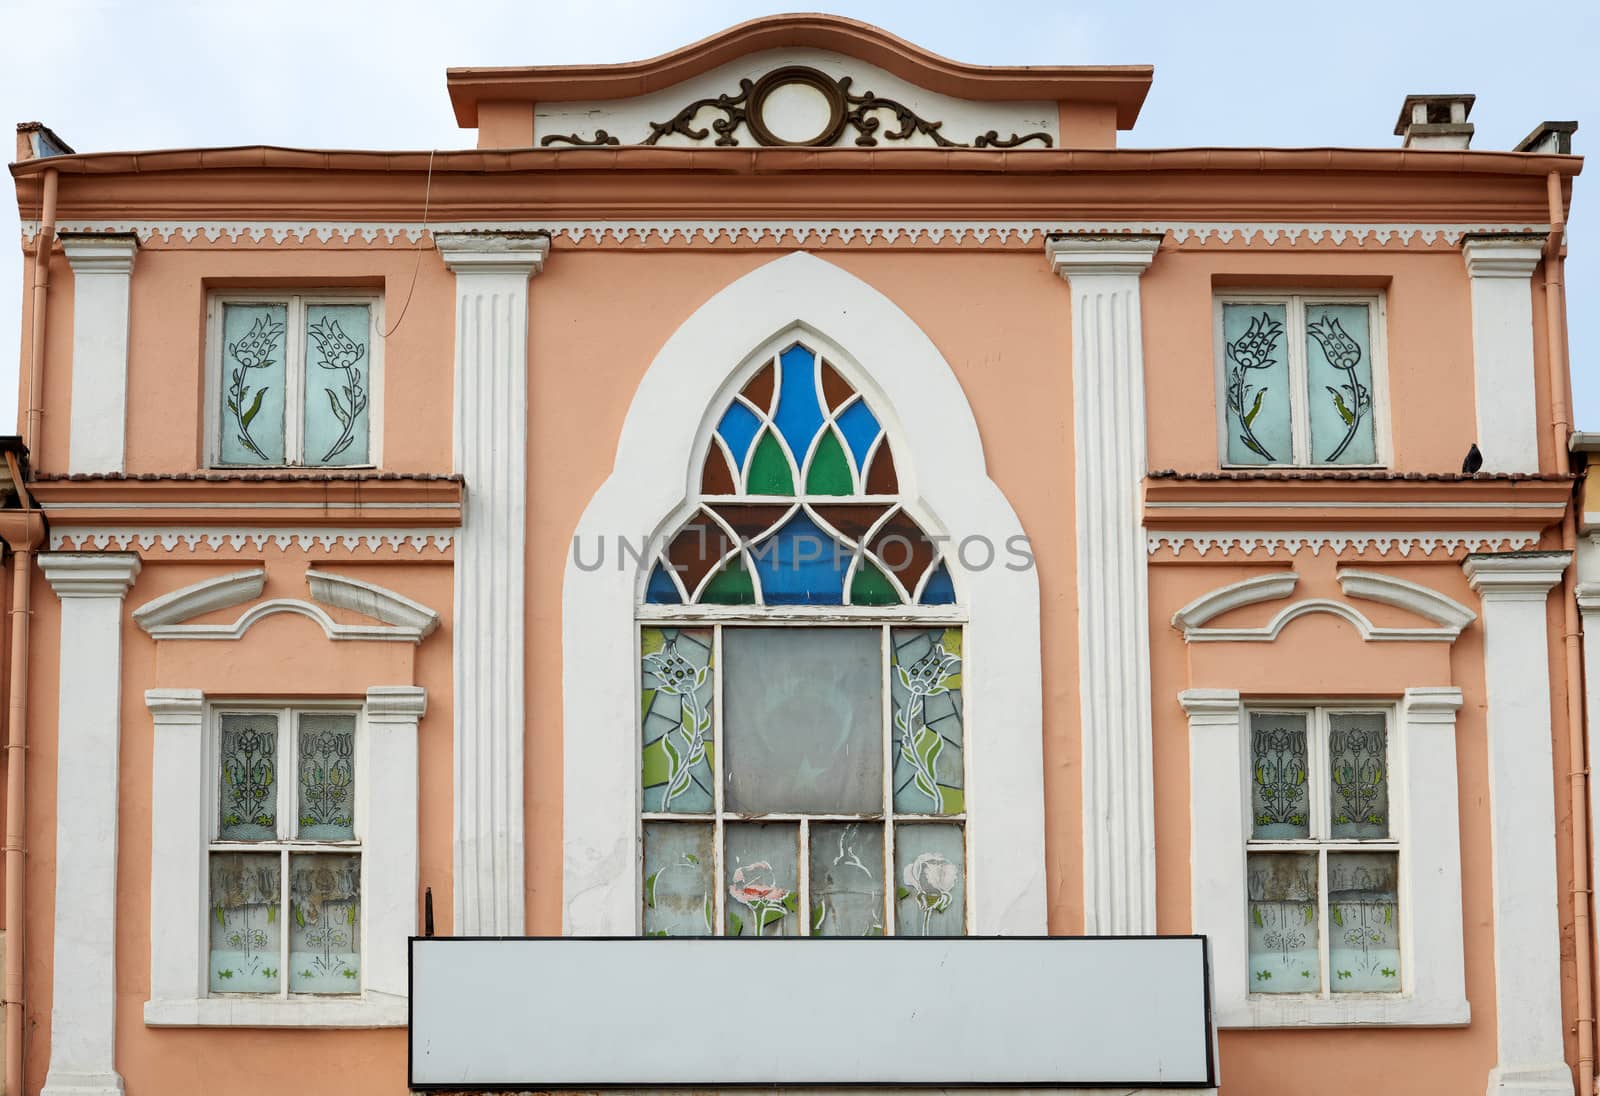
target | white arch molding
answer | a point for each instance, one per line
(940, 460)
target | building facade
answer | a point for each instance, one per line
(798, 486)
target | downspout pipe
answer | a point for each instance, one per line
(33, 428)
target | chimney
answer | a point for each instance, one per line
(1551, 138)
(1436, 121)
(35, 139)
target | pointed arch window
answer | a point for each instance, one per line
(803, 756)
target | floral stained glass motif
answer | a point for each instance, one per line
(325, 929)
(676, 688)
(925, 684)
(245, 926)
(338, 371)
(327, 776)
(248, 795)
(1283, 923)
(1256, 380)
(679, 879)
(253, 380)
(1339, 383)
(930, 870)
(1364, 922)
(846, 879)
(762, 865)
(1358, 775)
(1280, 802)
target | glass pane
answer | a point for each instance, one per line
(1339, 383)
(1364, 908)
(245, 926)
(801, 564)
(252, 383)
(931, 884)
(1255, 377)
(327, 776)
(679, 874)
(804, 720)
(248, 795)
(325, 935)
(676, 687)
(846, 879)
(799, 415)
(925, 684)
(1283, 923)
(1280, 807)
(338, 370)
(1358, 774)
(762, 862)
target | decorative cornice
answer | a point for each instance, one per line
(1410, 596)
(492, 252)
(1588, 597)
(1507, 255)
(89, 575)
(1449, 616)
(331, 628)
(235, 539)
(203, 597)
(1109, 254)
(1211, 707)
(1432, 704)
(1341, 540)
(391, 704)
(176, 707)
(99, 253)
(1235, 595)
(372, 600)
(1515, 576)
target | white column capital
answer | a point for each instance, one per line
(89, 574)
(493, 252)
(176, 707)
(1103, 255)
(99, 253)
(392, 704)
(1211, 707)
(1432, 704)
(1588, 598)
(1508, 255)
(1515, 576)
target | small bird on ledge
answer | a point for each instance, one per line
(1474, 460)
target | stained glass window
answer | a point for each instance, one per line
(285, 859)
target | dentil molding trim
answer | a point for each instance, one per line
(224, 538)
(1423, 543)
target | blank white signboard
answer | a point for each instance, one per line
(543, 1012)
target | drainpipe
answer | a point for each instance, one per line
(1577, 769)
(41, 286)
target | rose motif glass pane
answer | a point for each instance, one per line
(925, 687)
(803, 720)
(1283, 923)
(338, 368)
(1339, 384)
(1364, 922)
(679, 878)
(676, 690)
(252, 383)
(1358, 775)
(327, 776)
(846, 879)
(761, 865)
(246, 945)
(1255, 380)
(247, 799)
(1280, 805)
(930, 880)
(325, 924)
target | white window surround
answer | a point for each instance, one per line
(940, 461)
(295, 371)
(1295, 349)
(182, 772)
(1427, 824)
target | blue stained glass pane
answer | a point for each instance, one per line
(801, 565)
(738, 428)
(939, 590)
(799, 417)
(860, 428)
(661, 591)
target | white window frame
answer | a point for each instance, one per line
(1425, 825)
(294, 373)
(183, 830)
(1295, 303)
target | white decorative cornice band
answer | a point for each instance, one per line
(217, 539)
(1423, 543)
(810, 232)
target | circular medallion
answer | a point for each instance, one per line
(796, 106)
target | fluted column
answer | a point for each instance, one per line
(1108, 417)
(491, 451)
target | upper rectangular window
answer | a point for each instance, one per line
(293, 378)
(1300, 379)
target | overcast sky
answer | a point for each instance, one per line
(337, 74)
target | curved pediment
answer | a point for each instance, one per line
(1447, 617)
(402, 619)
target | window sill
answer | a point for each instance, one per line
(1346, 1010)
(375, 1010)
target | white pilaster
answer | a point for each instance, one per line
(1113, 583)
(393, 712)
(1589, 614)
(491, 450)
(1218, 826)
(178, 879)
(1514, 588)
(102, 270)
(1500, 268)
(91, 587)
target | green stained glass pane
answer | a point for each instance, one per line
(829, 473)
(338, 374)
(846, 879)
(1255, 381)
(930, 880)
(1339, 383)
(925, 686)
(325, 922)
(1280, 806)
(1364, 922)
(247, 800)
(730, 586)
(676, 686)
(1283, 923)
(679, 879)
(327, 776)
(246, 926)
(869, 586)
(769, 468)
(252, 383)
(1358, 775)
(761, 862)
